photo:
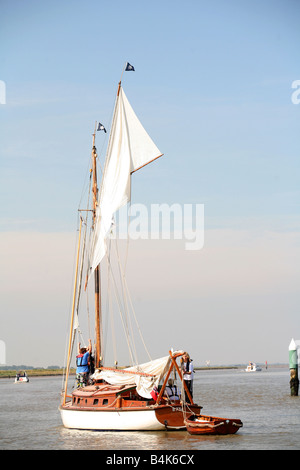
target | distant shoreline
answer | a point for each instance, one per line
(11, 373)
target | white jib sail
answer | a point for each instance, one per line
(129, 149)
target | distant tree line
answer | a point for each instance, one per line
(24, 367)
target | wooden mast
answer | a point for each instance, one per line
(98, 355)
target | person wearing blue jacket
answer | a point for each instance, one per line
(83, 363)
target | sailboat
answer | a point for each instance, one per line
(131, 398)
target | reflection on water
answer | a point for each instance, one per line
(30, 418)
(149, 440)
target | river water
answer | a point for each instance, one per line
(30, 420)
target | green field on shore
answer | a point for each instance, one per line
(6, 374)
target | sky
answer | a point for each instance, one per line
(213, 86)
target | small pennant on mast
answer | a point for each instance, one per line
(129, 67)
(101, 127)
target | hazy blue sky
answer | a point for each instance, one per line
(213, 87)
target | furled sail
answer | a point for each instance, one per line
(129, 149)
(153, 372)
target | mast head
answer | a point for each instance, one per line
(119, 88)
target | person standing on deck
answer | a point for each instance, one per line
(82, 363)
(188, 374)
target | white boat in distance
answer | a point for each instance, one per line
(252, 367)
(21, 377)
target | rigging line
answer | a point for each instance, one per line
(128, 224)
(80, 336)
(88, 285)
(90, 171)
(71, 352)
(127, 293)
(136, 321)
(86, 184)
(70, 302)
(122, 279)
(112, 314)
(120, 311)
(105, 141)
(81, 267)
(127, 336)
(112, 322)
(105, 318)
(86, 289)
(73, 341)
(113, 117)
(83, 251)
(125, 326)
(110, 311)
(88, 313)
(100, 153)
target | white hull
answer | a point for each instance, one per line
(21, 380)
(253, 369)
(133, 420)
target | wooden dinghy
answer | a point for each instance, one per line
(201, 424)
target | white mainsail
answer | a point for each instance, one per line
(129, 149)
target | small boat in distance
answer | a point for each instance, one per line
(21, 377)
(202, 424)
(252, 367)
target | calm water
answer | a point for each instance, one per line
(29, 416)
